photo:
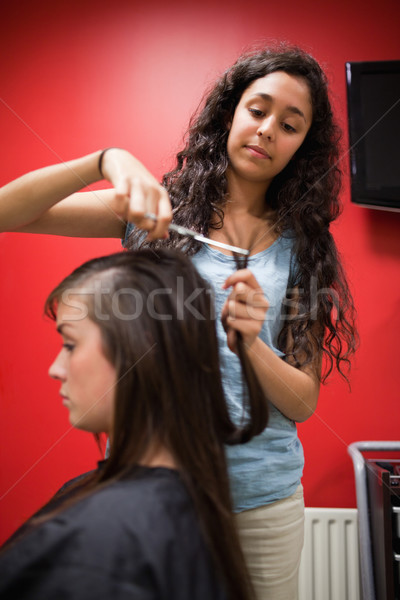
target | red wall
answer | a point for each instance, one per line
(79, 76)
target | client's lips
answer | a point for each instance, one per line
(257, 151)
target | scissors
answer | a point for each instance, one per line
(199, 237)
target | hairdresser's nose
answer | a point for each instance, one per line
(266, 128)
(57, 369)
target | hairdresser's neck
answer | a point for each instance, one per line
(245, 196)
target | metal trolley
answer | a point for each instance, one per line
(378, 504)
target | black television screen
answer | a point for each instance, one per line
(373, 103)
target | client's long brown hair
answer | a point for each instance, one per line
(156, 317)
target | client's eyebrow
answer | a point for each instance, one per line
(293, 109)
(60, 328)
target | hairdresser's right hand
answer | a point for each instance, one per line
(138, 192)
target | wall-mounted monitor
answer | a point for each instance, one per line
(373, 102)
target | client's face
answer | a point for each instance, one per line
(87, 377)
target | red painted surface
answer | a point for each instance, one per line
(76, 77)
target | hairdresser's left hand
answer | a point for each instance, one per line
(245, 308)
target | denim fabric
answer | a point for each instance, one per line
(270, 466)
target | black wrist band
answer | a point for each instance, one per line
(101, 160)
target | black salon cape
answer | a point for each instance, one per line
(136, 539)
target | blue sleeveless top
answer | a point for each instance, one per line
(270, 466)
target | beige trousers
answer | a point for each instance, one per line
(272, 539)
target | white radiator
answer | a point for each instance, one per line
(329, 568)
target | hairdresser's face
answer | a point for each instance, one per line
(87, 379)
(268, 127)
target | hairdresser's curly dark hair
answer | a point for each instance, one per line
(304, 197)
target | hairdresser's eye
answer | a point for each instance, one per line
(256, 112)
(288, 128)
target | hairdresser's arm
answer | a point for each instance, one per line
(44, 201)
(292, 390)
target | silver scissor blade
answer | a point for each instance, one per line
(205, 240)
(199, 237)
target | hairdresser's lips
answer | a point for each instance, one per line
(258, 152)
